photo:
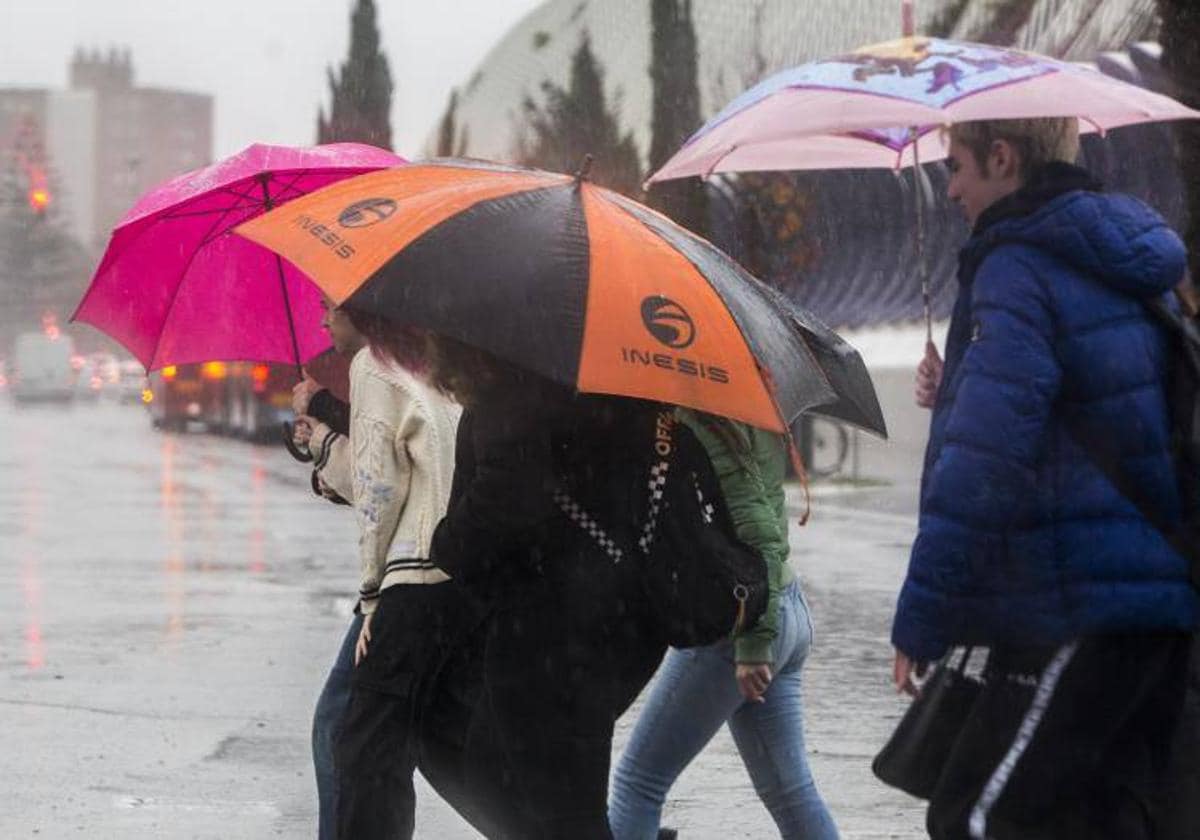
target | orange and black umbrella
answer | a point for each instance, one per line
(555, 274)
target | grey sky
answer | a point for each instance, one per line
(263, 60)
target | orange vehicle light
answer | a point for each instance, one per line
(213, 370)
(147, 395)
(258, 378)
(170, 372)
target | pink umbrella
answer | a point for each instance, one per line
(882, 105)
(175, 287)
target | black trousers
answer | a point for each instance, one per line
(411, 631)
(521, 734)
(1067, 742)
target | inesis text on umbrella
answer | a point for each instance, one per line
(326, 236)
(671, 325)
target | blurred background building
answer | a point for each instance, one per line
(72, 163)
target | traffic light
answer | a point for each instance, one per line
(39, 200)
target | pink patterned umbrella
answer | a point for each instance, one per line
(864, 109)
(883, 106)
(175, 286)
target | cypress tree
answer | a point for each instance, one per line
(675, 111)
(361, 91)
(576, 121)
(452, 141)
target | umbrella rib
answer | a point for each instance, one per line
(175, 293)
(251, 199)
(152, 220)
(291, 186)
(252, 202)
(213, 233)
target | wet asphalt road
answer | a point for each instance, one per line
(170, 603)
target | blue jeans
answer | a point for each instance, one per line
(327, 728)
(693, 694)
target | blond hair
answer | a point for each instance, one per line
(1037, 141)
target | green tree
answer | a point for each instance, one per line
(43, 268)
(576, 121)
(675, 110)
(947, 19)
(1005, 19)
(776, 210)
(1180, 34)
(361, 91)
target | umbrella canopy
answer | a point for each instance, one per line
(856, 402)
(866, 109)
(175, 287)
(555, 274)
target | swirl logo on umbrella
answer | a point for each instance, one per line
(668, 322)
(369, 211)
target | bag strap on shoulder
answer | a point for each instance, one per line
(1188, 334)
(664, 449)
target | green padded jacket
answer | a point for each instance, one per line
(751, 464)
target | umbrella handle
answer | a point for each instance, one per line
(300, 454)
(919, 207)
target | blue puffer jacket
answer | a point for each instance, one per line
(1022, 538)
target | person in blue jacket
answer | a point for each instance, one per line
(1054, 373)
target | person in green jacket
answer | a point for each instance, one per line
(752, 682)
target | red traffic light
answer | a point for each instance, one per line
(39, 199)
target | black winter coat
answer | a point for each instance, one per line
(520, 734)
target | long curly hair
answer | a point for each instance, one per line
(400, 344)
(463, 372)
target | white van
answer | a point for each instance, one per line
(41, 368)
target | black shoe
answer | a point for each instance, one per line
(667, 834)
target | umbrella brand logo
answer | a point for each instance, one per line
(668, 322)
(326, 236)
(369, 211)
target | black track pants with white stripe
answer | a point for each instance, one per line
(1066, 742)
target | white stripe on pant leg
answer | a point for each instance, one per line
(1029, 724)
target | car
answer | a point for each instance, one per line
(43, 368)
(88, 381)
(106, 366)
(132, 385)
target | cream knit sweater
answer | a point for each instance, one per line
(396, 469)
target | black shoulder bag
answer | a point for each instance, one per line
(704, 584)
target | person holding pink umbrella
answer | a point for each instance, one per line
(395, 467)
(175, 286)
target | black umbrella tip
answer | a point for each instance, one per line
(585, 168)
